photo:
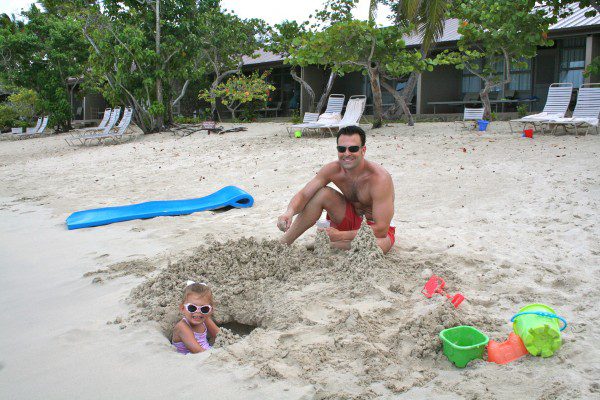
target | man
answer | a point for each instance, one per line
(367, 190)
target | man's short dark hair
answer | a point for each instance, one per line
(352, 130)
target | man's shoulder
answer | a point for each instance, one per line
(331, 167)
(378, 172)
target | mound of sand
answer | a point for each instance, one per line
(320, 316)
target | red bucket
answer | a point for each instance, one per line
(528, 133)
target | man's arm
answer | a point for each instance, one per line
(382, 194)
(298, 202)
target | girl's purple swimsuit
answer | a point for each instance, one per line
(200, 338)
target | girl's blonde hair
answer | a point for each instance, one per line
(197, 288)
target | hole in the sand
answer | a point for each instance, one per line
(238, 328)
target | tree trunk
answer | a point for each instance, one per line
(400, 105)
(213, 87)
(485, 99)
(306, 86)
(325, 95)
(377, 100)
(159, 88)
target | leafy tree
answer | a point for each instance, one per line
(142, 51)
(496, 36)
(297, 43)
(19, 109)
(40, 54)
(222, 40)
(360, 46)
(239, 90)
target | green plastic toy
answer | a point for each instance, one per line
(462, 344)
(298, 134)
(539, 328)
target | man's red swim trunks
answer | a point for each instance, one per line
(352, 221)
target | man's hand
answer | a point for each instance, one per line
(284, 222)
(334, 234)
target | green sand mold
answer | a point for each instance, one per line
(462, 344)
(540, 334)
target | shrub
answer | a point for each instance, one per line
(8, 117)
(522, 110)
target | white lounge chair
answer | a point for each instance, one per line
(114, 117)
(39, 129)
(333, 112)
(354, 111)
(35, 129)
(557, 103)
(309, 119)
(470, 115)
(108, 133)
(102, 125)
(586, 111)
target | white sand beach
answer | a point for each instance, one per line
(506, 221)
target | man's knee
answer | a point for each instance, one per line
(385, 244)
(325, 195)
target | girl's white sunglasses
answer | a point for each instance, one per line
(205, 309)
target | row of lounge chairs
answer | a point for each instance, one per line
(37, 130)
(585, 115)
(108, 129)
(331, 120)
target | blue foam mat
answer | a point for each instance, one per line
(228, 196)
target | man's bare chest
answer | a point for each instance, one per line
(355, 191)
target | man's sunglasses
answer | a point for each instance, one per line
(201, 309)
(351, 149)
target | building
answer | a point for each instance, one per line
(576, 42)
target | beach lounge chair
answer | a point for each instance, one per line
(332, 114)
(470, 115)
(39, 130)
(586, 111)
(309, 119)
(114, 117)
(118, 133)
(35, 129)
(559, 97)
(102, 125)
(354, 111)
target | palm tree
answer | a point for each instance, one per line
(428, 17)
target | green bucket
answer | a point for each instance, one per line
(462, 344)
(539, 328)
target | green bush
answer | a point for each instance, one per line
(8, 117)
(296, 119)
(180, 119)
(522, 110)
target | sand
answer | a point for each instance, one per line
(505, 221)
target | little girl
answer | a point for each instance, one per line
(190, 334)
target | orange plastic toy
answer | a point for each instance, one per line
(435, 284)
(505, 352)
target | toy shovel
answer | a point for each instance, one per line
(435, 284)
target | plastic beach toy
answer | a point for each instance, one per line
(435, 284)
(482, 124)
(462, 344)
(505, 352)
(539, 328)
(528, 133)
(298, 134)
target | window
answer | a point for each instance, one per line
(470, 83)
(572, 61)
(521, 77)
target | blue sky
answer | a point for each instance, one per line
(271, 11)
